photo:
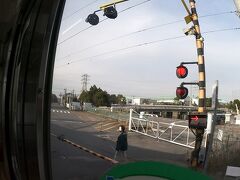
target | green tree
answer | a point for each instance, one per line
(113, 99)
(99, 97)
(85, 97)
(121, 99)
(232, 104)
(208, 102)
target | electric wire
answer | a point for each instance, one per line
(144, 44)
(70, 37)
(140, 31)
(79, 10)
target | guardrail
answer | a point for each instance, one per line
(169, 132)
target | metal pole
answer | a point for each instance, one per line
(65, 97)
(130, 120)
(202, 83)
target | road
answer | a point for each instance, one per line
(99, 135)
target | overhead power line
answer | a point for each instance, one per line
(70, 37)
(143, 44)
(79, 10)
(140, 31)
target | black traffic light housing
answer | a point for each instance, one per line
(110, 12)
(181, 71)
(197, 120)
(181, 92)
(92, 19)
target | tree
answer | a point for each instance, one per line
(85, 97)
(208, 102)
(232, 104)
(121, 99)
(99, 97)
(113, 99)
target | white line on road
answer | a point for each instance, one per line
(55, 120)
(108, 124)
(111, 127)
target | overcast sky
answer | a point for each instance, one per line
(146, 70)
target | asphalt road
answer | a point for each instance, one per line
(99, 135)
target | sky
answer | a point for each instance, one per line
(120, 57)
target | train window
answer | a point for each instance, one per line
(105, 74)
(113, 95)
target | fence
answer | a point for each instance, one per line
(170, 132)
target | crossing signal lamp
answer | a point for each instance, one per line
(182, 92)
(197, 121)
(92, 19)
(110, 12)
(181, 72)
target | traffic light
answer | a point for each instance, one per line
(181, 72)
(110, 12)
(93, 19)
(197, 121)
(182, 92)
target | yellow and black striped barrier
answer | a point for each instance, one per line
(61, 138)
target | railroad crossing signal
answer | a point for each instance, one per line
(182, 92)
(93, 19)
(109, 10)
(197, 121)
(181, 72)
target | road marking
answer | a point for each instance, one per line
(61, 111)
(103, 125)
(61, 138)
(73, 121)
(65, 121)
(111, 127)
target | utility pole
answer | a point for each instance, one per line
(202, 82)
(85, 79)
(237, 4)
(65, 97)
(197, 121)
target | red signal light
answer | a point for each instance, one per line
(182, 92)
(181, 72)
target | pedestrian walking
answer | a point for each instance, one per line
(122, 144)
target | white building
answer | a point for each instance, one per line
(137, 101)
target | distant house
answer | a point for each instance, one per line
(137, 101)
(140, 101)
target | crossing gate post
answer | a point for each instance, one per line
(130, 120)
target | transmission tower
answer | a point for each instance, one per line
(85, 79)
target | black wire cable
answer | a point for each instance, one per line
(79, 10)
(140, 31)
(70, 37)
(144, 44)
